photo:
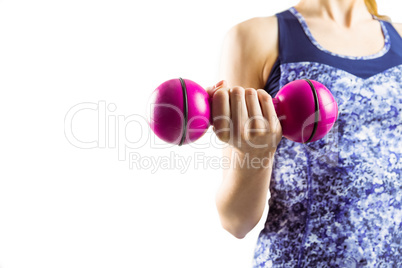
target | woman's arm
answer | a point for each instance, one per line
(250, 49)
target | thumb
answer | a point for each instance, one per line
(211, 90)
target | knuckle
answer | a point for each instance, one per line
(223, 135)
(221, 120)
(220, 94)
(258, 128)
(264, 95)
(275, 129)
(237, 91)
(278, 130)
(250, 91)
(253, 121)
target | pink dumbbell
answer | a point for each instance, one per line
(181, 111)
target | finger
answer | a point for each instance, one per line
(209, 91)
(217, 86)
(224, 83)
(252, 102)
(221, 114)
(268, 109)
(238, 110)
(255, 121)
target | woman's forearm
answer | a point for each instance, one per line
(242, 195)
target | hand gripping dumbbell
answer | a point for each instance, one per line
(181, 111)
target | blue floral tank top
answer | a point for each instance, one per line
(337, 202)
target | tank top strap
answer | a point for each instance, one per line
(395, 38)
(287, 34)
(293, 46)
(292, 37)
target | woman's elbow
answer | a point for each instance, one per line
(238, 233)
(237, 228)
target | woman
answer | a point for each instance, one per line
(335, 202)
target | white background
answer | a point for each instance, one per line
(62, 206)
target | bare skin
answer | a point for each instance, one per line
(249, 52)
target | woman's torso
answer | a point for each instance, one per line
(337, 202)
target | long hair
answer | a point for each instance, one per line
(372, 8)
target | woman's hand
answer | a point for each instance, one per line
(245, 119)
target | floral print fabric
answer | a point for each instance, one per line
(337, 202)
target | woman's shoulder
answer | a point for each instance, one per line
(256, 42)
(259, 22)
(256, 29)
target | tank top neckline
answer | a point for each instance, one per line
(382, 52)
